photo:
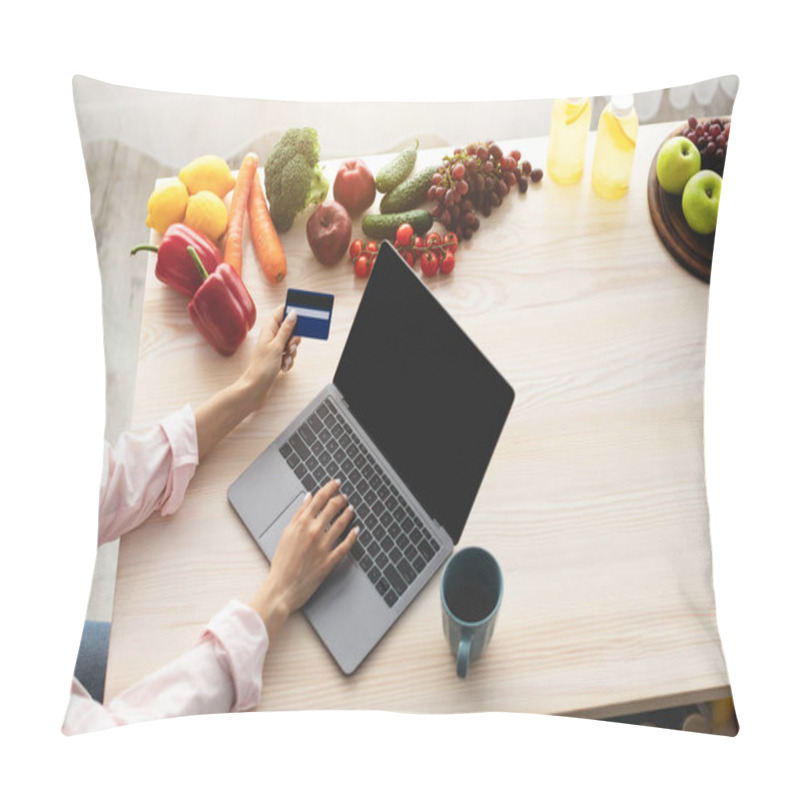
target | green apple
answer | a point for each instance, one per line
(678, 160)
(700, 201)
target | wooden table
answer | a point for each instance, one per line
(594, 502)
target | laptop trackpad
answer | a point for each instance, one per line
(268, 541)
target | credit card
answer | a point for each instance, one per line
(314, 311)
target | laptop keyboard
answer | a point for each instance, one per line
(393, 545)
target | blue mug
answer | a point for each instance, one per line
(471, 591)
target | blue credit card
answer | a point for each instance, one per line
(314, 311)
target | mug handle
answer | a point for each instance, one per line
(462, 659)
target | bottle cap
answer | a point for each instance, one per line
(622, 104)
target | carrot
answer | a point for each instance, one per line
(265, 238)
(241, 194)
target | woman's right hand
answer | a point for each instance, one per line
(306, 555)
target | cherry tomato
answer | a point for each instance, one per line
(448, 262)
(429, 263)
(432, 239)
(355, 248)
(371, 247)
(410, 258)
(450, 241)
(362, 266)
(419, 245)
(404, 235)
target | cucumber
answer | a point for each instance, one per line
(409, 194)
(397, 170)
(384, 226)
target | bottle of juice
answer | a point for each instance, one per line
(566, 146)
(617, 130)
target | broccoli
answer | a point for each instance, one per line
(292, 176)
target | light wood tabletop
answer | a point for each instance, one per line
(594, 502)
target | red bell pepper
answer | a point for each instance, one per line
(221, 309)
(174, 265)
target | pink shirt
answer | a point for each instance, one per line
(222, 672)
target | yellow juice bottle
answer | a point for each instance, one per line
(617, 130)
(566, 146)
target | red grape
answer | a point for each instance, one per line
(507, 163)
(710, 136)
(476, 179)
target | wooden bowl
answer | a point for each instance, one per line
(693, 251)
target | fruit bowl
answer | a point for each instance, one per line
(691, 250)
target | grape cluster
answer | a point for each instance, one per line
(711, 138)
(474, 180)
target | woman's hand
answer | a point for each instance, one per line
(275, 350)
(306, 554)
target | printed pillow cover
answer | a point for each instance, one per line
(571, 239)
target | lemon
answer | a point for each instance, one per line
(166, 205)
(207, 214)
(574, 110)
(208, 173)
(624, 131)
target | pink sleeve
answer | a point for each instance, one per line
(221, 673)
(145, 472)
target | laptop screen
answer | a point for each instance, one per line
(425, 394)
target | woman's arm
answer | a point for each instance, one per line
(144, 472)
(223, 671)
(151, 470)
(274, 352)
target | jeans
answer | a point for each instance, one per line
(90, 666)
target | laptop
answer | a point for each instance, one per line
(409, 425)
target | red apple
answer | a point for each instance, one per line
(354, 187)
(328, 231)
